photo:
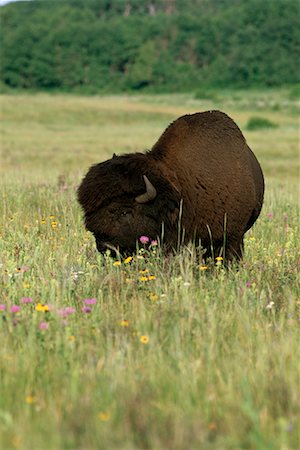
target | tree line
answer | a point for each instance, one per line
(155, 45)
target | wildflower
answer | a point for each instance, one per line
(128, 260)
(64, 312)
(42, 308)
(219, 258)
(117, 263)
(90, 301)
(248, 284)
(72, 338)
(26, 300)
(15, 308)
(52, 217)
(202, 268)
(144, 239)
(43, 221)
(2, 307)
(124, 323)
(44, 326)
(86, 309)
(53, 224)
(270, 305)
(151, 277)
(104, 416)
(153, 297)
(143, 278)
(270, 215)
(144, 339)
(30, 399)
(144, 271)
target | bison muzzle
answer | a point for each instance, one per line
(200, 179)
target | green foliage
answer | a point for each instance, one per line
(119, 45)
(256, 123)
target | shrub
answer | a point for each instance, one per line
(257, 123)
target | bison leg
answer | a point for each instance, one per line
(235, 250)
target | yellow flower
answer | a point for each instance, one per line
(143, 278)
(26, 285)
(219, 258)
(144, 271)
(151, 277)
(42, 308)
(72, 338)
(203, 267)
(104, 416)
(144, 339)
(54, 224)
(43, 221)
(52, 217)
(124, 323)
(128, 260)
(153, 297)
(30, 399)
(117, 263)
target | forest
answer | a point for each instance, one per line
(105, 46)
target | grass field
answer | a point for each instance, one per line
(150, 353)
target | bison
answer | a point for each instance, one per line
(200, 182)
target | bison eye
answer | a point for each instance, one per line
(125, 213)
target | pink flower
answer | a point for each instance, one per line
(154, 243)
(90, 301)
(86, 309)
(64, 312)
(248, 284)
(144, 239)
(270, 215)
(15, 308)
(26, 300)
(2, 307)
(44, 326)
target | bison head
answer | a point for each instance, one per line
(127, 197)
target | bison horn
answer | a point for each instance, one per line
(150, 193)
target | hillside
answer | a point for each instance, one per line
(155, 45)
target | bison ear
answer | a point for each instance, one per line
(114, 156)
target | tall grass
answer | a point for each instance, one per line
(153, 352)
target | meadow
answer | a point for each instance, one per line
(148, 352)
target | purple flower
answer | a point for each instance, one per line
(26, 300)
(270, 215)
(144, 239)
(15, 308)
(154, 243)
(86, 309)
(64, 312)
(2, 307)
(90, 301)
(248, 284)
(44, 326)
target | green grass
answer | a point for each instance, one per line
(219, 368)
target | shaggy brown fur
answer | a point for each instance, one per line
(203, 172)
